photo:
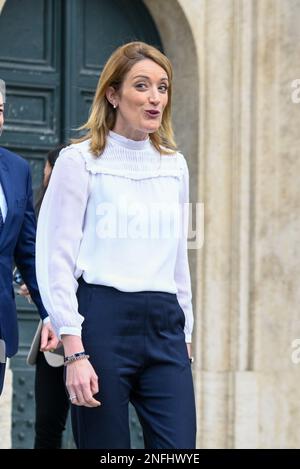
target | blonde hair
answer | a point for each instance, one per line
(103, 116)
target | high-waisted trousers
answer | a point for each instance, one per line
(137, 347)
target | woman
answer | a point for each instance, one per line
(51, 399)
(113, 275)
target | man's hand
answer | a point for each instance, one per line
(49, 341)
(23, 291)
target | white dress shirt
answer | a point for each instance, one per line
(3, 204)
(114, 220)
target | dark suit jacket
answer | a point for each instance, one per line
(17, 244)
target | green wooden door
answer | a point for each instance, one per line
(92, 30)
(30, 63)
(51, 55)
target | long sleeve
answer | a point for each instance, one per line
(59, 234)
(182, 271)
(24, 254)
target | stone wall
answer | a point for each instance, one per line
(245, 57)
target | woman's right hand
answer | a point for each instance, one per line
(82, 383)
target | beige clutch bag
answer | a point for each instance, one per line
(55, 358)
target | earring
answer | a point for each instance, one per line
(115, 106)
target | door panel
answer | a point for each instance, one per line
(93, 30)
(30, 64)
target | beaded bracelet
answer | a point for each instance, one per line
(76, 356)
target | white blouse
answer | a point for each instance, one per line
(119, 220)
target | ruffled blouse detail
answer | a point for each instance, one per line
(131, 159)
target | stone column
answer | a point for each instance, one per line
(216, 40)
(249, 268)
(275, 228)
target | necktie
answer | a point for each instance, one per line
(1, 221)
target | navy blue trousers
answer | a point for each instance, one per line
(137, 347)
(51, 404)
